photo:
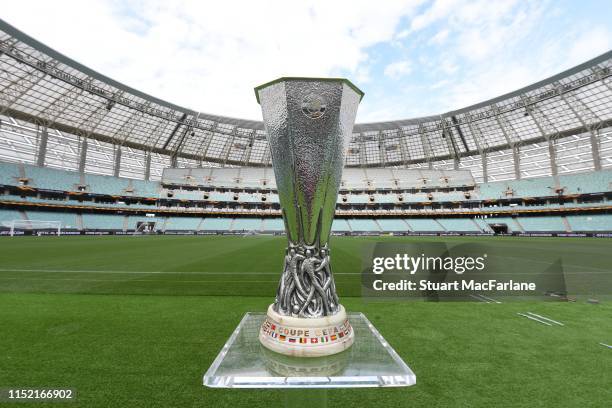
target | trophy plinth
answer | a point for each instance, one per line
(309, 122)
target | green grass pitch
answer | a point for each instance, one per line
(136, 321)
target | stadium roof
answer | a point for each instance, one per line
(43, 87)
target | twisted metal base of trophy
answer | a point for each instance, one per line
(306, 337)
(306, 288)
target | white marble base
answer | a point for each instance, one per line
(304, 337)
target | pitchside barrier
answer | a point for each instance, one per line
(6, 231)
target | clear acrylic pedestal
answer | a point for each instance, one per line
(245, 363)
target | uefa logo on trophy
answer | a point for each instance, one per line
(314, 106)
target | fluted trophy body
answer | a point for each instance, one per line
(309, 123)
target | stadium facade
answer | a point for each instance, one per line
(83, 149)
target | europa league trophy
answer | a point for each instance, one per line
(308, 122)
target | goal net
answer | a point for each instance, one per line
(35, 226)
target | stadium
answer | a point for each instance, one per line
(135, 222)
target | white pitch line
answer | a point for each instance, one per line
(490, 299)
(134, 280)
(545, 318)
(480, 299)
(535, 319)
(153, 272)
(550, 263)
(606, 345)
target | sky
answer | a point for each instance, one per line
(411, 57)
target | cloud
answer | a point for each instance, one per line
(439, 10)
(411, 57)
(397, 69)
(209, 56)
(595, 40)
(440, 37)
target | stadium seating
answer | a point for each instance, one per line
(590, 223)
(247, 224)
(363, 225)
(103, 222)
(355, 199)
(386, 198)
(459, 224)
(352, 178)
(364, 180)
(6, 216)
(216, 224)
(537, 224)
(224, 177)
(51, 179)
(9, 173)
(392, 224)
(340, 225)
(424, 225)
(537, 187)
(582, 183)
(217, 196)
(182, 223)
(380, 178)
(273, 224)
(144, 188)
(484, 227)
(106, 184)
(68, 220)
(252, 177)
(182, 194)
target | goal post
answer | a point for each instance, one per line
(35, 225)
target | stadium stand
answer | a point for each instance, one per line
(143, 188)
(9, 174)
(592, 182)
(537, 224)
(352, 178)
(103, 222)
(459, 224)
(424, 225)
(182, 223)
(107, 184)
(6, 216)
(216, 224)
(340, 225)
(392, 225)
(363, 225)
(536, 160)
(273, 224)
(68, 220)
(44, 178)
(590, 223)
(482, 224)
(247, 224)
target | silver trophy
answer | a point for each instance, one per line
(309, 122)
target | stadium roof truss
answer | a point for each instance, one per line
(59, 113)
